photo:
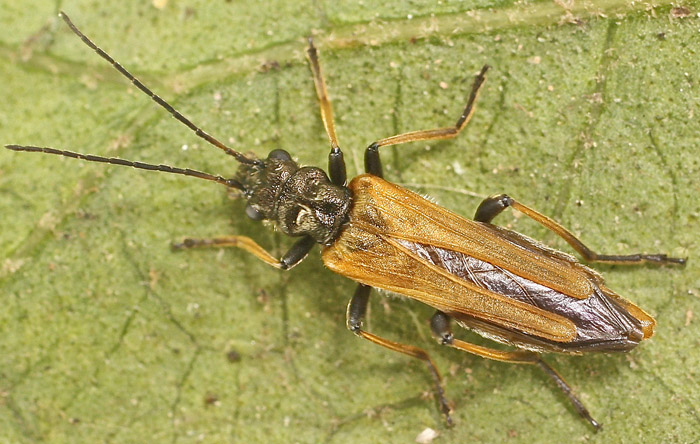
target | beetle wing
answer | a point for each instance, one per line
(369, 251)
(500, 283)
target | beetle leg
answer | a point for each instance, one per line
(357, 308)
(440, 325)
(373, 164)
(494, 205)
(336, 163)
(296, 253)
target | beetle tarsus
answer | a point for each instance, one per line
(564, 386)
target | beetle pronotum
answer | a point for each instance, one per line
(501, 284)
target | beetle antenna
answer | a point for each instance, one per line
(231, 183)
(198, 131)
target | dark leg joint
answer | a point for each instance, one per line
(491, 207)
(373, 164)
(440, 325)
(298, 252)
(358, 308)
(336, 167)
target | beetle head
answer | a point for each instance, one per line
(301, 200)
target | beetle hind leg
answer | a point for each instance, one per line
(357, 308)
(494, 205)
(440, 325)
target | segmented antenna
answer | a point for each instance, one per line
(198, 131)
(231, 183)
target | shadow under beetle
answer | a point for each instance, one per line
(503, 285)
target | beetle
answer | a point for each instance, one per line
(501, 284)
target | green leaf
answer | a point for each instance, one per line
(589, 114)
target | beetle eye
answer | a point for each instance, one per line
(279, 155)
(253, 213)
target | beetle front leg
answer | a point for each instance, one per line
(440, 325)
(357, 308)
(494, 205)
(336, 163)
(296, 253)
